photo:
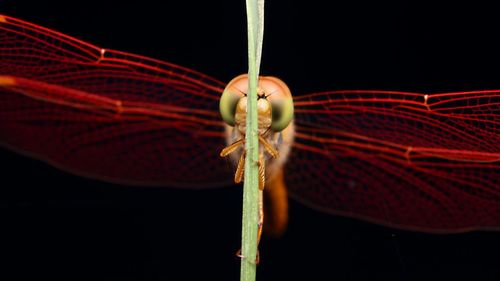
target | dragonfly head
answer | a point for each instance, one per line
(274, 104)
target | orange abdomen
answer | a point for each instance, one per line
(275, 205)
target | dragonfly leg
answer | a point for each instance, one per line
(262, 180)
(262, 172)
(231, 148)
(268, 147)
(257, 258)
(261, 216)
(259, 230)
(261, 223)
(238, 176)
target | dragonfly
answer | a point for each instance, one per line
(416, 161)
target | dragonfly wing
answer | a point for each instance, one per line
(108, 114)
(413, 161)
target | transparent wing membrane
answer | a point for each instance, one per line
(423, 162)
(108, 114)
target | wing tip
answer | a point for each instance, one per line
(3, 19)
(6, 81)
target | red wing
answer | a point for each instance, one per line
(108, 114)
(422, 162)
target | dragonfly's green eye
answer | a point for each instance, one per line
(282, 113)
(227, 104)
(234, 91)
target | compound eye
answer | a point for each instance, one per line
(234, 91)
(278, 94)
(282, 113)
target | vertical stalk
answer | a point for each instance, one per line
(255, 20)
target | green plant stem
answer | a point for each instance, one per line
(255, 20)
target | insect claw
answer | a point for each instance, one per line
(257, 258)
(239, 255)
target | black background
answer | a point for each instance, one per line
(59, 226)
